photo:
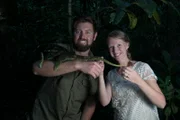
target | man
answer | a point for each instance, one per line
(69, 93)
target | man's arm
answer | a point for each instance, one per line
(89, 108)
(47, 69)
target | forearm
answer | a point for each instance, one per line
(48, 70)
(154, 94)
(104, 97)
(89, 109)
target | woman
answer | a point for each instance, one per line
(133, 87)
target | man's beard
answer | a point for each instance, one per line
(81, 48)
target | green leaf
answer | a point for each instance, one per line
(120, 11)
(42, 60)
(164, 1)
(174, 8)
(167, 111)
(160, 64)
(172, 5)
(167, 80)
(169, 95)
(121, 3)
(112, 17)
(178, 94)
(118, 17)
(156, 17)
(132, 20)
(174, 108)
(148, 6)
(166, 57)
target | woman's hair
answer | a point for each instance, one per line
(120, 35)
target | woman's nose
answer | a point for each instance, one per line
(115, 49)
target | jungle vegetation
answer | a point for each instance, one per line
(28, 27)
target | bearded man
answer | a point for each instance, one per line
(69, 92)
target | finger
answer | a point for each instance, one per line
(97, 64)
(129, 69)
(96, 71)
(125, 73)
(126, 77)
(100, 61)
(93, 75)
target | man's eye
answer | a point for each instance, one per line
(77, 32)
(110, 47)
(89, 32)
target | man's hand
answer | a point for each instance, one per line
(92, 68)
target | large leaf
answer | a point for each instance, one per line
(174, 108)
(167, 111)
(164, 1)
(156, 17)
(167, 57)
(172, 5)
(120, 11)
(117, 17)
(132, 20)
(160, 64)
(149, 6)
(121, 3)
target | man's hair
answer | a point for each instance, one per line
(83, 19)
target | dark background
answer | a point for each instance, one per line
(28, 27)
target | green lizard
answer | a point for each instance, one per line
(80, 58)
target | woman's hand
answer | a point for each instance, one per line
(101, 63)
(131, 75)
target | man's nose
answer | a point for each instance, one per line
(83, 35)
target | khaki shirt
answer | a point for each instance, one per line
(62, 97)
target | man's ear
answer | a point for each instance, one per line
(95, 35)
(128, 44)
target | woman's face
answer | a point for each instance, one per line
(117, 48)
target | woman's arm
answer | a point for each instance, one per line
(153, 92)
(105, 92)
(148, 86)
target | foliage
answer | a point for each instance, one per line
(169, 83)
(153, 26)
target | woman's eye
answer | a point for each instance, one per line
(119, 45)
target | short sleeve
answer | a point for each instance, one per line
(148, 73)
(58, 53)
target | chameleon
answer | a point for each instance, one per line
(80, 58)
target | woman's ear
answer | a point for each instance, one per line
(127, 46)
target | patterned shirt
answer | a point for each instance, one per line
(129, 102)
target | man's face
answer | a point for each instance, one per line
(84, 36)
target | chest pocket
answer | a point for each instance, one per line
(81, 87)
